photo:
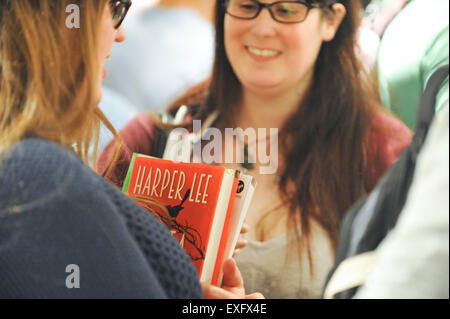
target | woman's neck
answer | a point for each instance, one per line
(267, 111)
(204, 7)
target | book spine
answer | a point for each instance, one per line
(220, 213)
(246, 188)
(225, 233)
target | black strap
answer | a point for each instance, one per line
(426, 111)
(161, 135)
(393, 188)
(425, 114)
(159, 143)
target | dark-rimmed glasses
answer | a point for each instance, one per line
(119, 11)
(281, 11)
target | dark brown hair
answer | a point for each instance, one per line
(323, 143)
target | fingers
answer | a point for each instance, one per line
(241, 243)
(231, 275)
(244, 229)
(213, 292)
(232, 287)
(255, 295)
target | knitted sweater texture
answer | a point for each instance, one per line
(55, 213)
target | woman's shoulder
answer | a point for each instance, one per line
(39, 163)
(44, 174)
(389, 132)
(51, 187)
(33, 148)
(47, 174)
(138, 130)
(388, 137)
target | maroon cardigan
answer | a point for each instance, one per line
(388, 137)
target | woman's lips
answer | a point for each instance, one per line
(262, 54)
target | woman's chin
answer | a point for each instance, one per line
(262, 87)
(261, 81)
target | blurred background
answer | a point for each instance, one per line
(169, 48)
(139, 5)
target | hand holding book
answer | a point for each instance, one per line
(204, 206)
(232, 287)
(241, 243)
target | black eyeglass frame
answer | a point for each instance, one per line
(269, 6)
(127, 4)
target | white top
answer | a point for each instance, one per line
(273, 267)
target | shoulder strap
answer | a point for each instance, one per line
(361, 234)
(161, 136)
(180, 148)
(159, 142)
(393, 189)
(163, 140)
(426, 111)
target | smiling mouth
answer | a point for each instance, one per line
(267, 53)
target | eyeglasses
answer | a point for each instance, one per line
(119, 11)
(281, 11)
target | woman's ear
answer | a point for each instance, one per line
(332, 21)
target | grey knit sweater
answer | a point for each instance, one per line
(56, 212)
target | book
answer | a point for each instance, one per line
(244, 194)
(198, 204)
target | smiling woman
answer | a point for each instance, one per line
(56, 211)
(289, 65)
(272, 58)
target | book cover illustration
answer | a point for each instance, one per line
(191, 199)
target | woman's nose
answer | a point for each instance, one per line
(264, 24)
(120, 35)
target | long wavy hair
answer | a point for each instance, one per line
(44, 65)
(323, 142)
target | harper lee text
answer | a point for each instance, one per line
(167, 184)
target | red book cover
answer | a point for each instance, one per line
(191, 199)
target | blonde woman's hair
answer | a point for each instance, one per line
(44, 65)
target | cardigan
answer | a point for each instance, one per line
(65, 232)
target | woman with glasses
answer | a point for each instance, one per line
(65, 232)
(288, 65)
